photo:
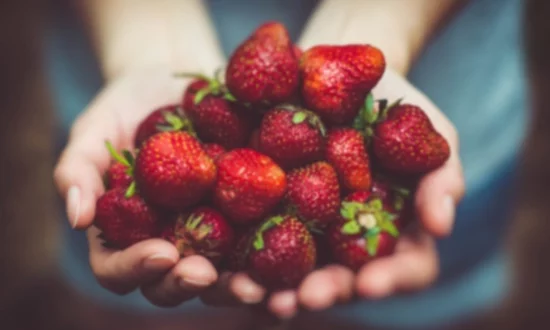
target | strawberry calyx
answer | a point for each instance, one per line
(127, 159)
(303, 115)
(176, 122)
(215, 86)
(270, 223)
(369, 220)
(371, 114)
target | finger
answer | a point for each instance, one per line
(123, 271)
(190, 276)
(438, 194)
(245, 289)
(413, 266)
(219, 294)
(78, 173)
(283, 304)
(324, 287)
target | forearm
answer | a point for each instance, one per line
(135, 34)
(399, 28)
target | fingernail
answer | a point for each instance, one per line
(286, 302)
(448, 210)
(73, 205)
(249, 294)
(190, 283)
(158, 262)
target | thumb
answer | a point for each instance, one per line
(78, 173)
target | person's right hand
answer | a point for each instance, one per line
(154, 265)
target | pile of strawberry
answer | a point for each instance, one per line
(284, 163)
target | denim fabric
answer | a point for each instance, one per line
(472, 70)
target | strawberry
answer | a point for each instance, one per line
(406, 142)
(292, 136)
(297, 51)
(214, 150)
(124, 220)
(282, 252)
(167, 118)
(365, 231)
(204, 231)
(263, 70)
(119, 174)
(313, 192)
(396, 199)
(337, 79)
(214, 117)
(346, 151)
(173, 171)
(249, 185)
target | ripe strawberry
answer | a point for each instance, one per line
(124, 221)
(205, 231)
(167, 118)
(282, 253)
(173, 171)
(313, 192)
(292, 136)
(119, 174)
(297, 52)
(263, 70)
(406, 142)
(249, 185)
(365, 231)
(215, 118)
(214, 150)
(346, 151)
(337, 79)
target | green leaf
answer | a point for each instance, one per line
(131, 190)
(199, 76)
(350, 209)
(164, 128)
(129, 158)
(351, 228)
(370, 114)
(299, 117)
(372, 244)
(376, 204)
(203, 231)
(118, 157)
(194, 221)
(359, 123)
(402, 191)
(174, 120)
(229, 97)
(259, 242)
(398, 203)
(201, 94)
(389, 107)
(390, 228)
(373, 232)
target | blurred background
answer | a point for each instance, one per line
(33, 294)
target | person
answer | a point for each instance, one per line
(459, 60)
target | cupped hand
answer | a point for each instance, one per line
(413, 266)
(154, 265)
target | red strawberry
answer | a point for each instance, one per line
(214, 150)
(205, 231)
(365, 231)
(337, 79)
(406, 142)
(215, 118)
(346, 151)
(124, 221)
(249, 185)
(292, 136)
(263, 70)
(167, 118)
(173, 171)
(282, 253)
(119, 174)
(314, 193)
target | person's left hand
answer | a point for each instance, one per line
(414, 265)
